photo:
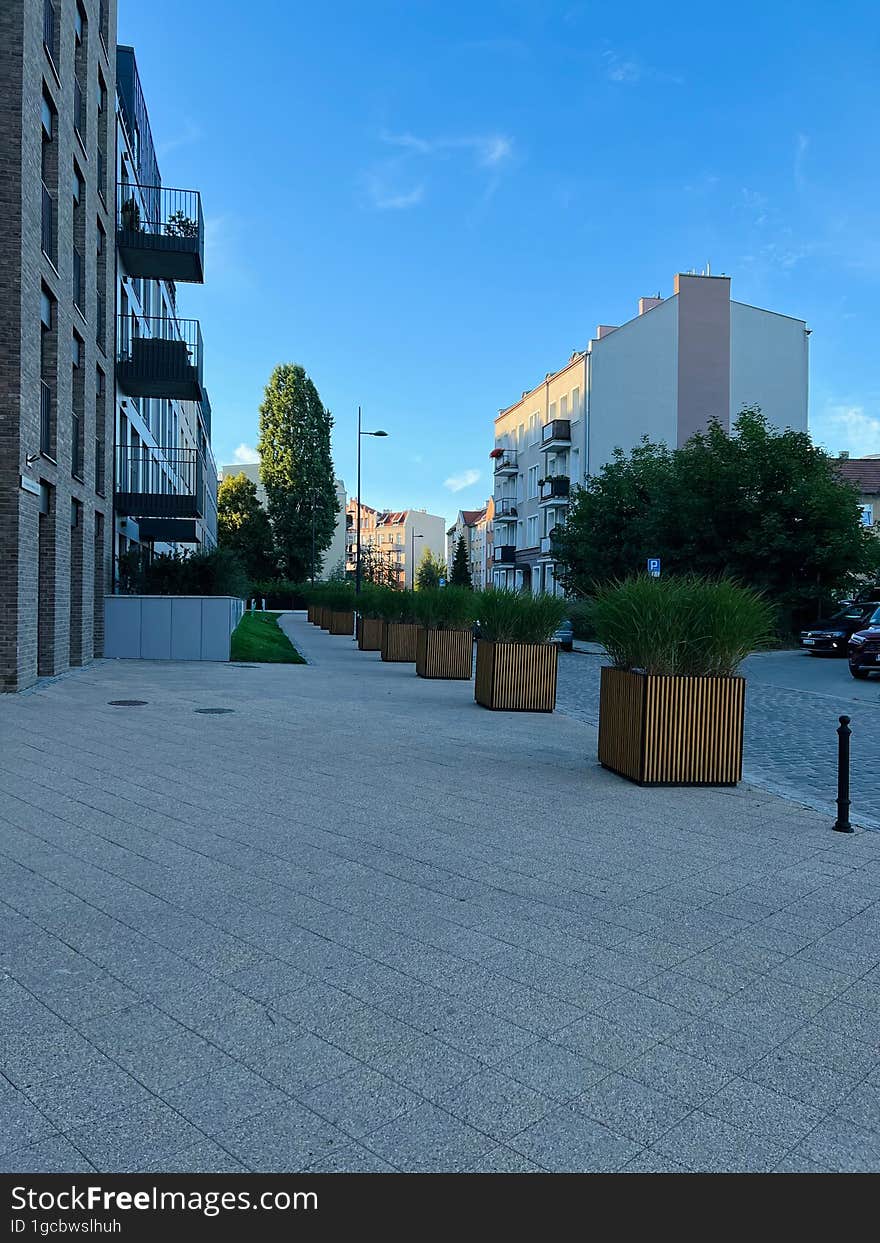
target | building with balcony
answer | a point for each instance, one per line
(475, 526)
(58, 70)
(165, 478)
(679, 362)
(397, 537)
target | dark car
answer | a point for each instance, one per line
(864, 648)
(830, 636)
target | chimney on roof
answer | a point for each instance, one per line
(605, 330)
(648, 304)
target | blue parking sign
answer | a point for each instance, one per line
(654, 567)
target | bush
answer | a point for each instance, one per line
(687, 625)
(580, 614)
(393, 606)
(279, 593)
(518, 616)
(446, 608)
(217, 572)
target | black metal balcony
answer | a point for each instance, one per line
(159, 483)
(505, 509)
(164, 239)
(164, 359)
(555, 487)
(45, 419)
(504, 554)
(547, 543)
(556, 434)
(505, 461)
(47, 226)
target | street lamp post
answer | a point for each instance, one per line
(357, 564)
(412, 556)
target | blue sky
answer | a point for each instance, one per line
(430, 205)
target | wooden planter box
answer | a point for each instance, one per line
(312, 613)
(370, 631)
(445, 654)
(516, 677)
(324, 617)
(399, 641)
(341, 623)
(660, 731)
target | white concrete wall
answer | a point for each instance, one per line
(170, 627)
(334, 557)
(769, 365)
(633, 385)
(432, 529)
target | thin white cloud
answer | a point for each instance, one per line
(385, 196)
(401, 181)
(188, 133)
(457, 483)
(847, 427)
(620, 70)
(245, 455)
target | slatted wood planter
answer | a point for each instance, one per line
(516, 677)
(660, 731)
(445, 654)
(312, 611)
(324, 617)
(341, 622)
(399, 642)
(370, 631)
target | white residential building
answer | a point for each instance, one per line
(663, 374)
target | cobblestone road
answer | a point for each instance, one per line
(793, 703)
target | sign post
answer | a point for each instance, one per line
(654, 567)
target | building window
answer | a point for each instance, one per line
(551, 413)
(48, 372)
(575, 403)
(77, 410)
(533, 482)
(534, 432)
(563, 406)
(531, 531)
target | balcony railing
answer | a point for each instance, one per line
(505, 508)
(547, 542)
(159, 358)
(47, 226)
(505, 462)
(157, 482)
(78, 110)
(556, 432)
(45, 419)
(556, 486)
(504, 554)
(76, 465)
(165, 238)
(78, 279)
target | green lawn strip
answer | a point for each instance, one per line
(259, 638)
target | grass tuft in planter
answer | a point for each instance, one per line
(370, 624)
(671, 707)
(400, 632)
(516, 663)
(445, 647)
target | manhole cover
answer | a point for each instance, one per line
(127, 703)
(213, 711)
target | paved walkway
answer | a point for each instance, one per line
(359, 923)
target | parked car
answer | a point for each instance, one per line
(864, 648)
(831, 635)
(564, 636)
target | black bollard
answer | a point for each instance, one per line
(842, 824)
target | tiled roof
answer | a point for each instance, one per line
(472, 516)
(864, 472)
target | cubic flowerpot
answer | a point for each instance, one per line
(369, 633)
(399, 642)
(324, 617)
(660, 730)
(516, 677)
(312, 611)
(341, 622)
(445, 654)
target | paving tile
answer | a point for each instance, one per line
(709, 1145)
(811, 1082)
(95, 1091)
(603, 1042)
(360, 1101)
(834, 1049)
(842, 1146)
(753, 1107)
(552, 1070)
(21, 1124)
(286, 1139)
(650, 1162)
(351, 1159)
(503, 1160)
(683, 992)
(300, 1065)
(723, 1046)
(56, 1155)
(145, 1137)
(496, 1104)
(425, 1065)
(216, 1101)
(631, 1108)
(678, 1074)
(429, 1140)
(567, 1141)
(861, 1106)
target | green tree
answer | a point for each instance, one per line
(243, 525)
(296, 468)
(767, 508)
(429, 572)
(461, 575)
(377, 567)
